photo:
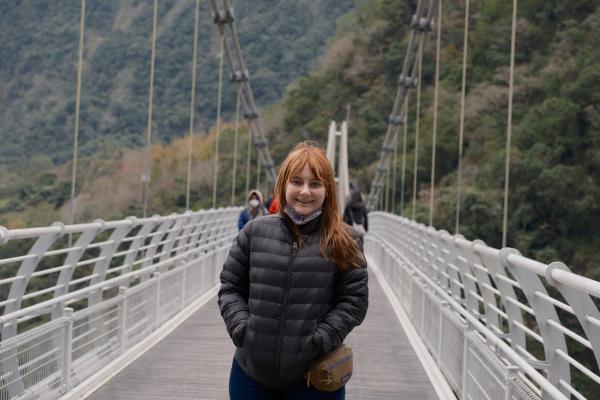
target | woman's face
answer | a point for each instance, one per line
(304, 192)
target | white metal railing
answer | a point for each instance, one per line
(499, 325)
(68, 311)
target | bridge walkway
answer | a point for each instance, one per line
(193, 361)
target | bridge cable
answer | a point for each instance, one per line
(258, 171)
(509, 123)
(192, 105)
(146, 176)
(235, 143)
(420, 25)
(224, 18)
(417, 126)
(387, 188)
(395, 171)
(462, 118)
(218, 133)
(404, 135)
(248, 161)
(435, 111)
(77, 108)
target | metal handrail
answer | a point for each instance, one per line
(46, 359)
(506, 285)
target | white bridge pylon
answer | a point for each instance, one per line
(342, 179)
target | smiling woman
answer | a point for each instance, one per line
(305, 193)
(294, 284)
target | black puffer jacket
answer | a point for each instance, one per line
(284, 305)
(356, 211)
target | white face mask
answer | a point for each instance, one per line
(253, 203)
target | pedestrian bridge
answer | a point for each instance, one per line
(128, 310)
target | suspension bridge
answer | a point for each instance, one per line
(131, 310)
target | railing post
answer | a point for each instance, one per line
(423, 296)
(67, 347)
(156, 301)
(183, 279)
(122, 318)
(443, 306)
(511, 372)
(466, 329)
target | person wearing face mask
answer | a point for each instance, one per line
(253, 210)
(293, 286)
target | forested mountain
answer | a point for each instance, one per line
(554, 205)
(280, 39)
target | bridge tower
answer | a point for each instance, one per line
(342, 179)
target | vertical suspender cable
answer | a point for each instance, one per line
(192, 105)
(462, 118)
(77, 107)
(435, 110)
(387, 188)
(509, 123)
(146, 177)
(218, 133)
(235, 143)
(395, 170)
(405, 132)
(417, 123)
(258, 170)
(248, 160)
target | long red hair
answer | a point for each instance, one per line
(336, 243)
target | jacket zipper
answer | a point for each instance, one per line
(282, 320)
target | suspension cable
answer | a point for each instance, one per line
(248, 161)
(435, 111)
(235, 143)
(77, 107)
(258, 171)
(192, 105)
(395, 171)
(417, 126)
(146, 176)
(404, 134)
(509, 123)
(387, 188)
(462, 117)
(218, 133)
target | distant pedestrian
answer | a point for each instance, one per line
(355, 213)
(353, 188)
(293, 286)
(272, 204)
(253, 210)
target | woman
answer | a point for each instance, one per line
(254, 209)
(294, 284)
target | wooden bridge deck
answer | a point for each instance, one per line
(193, 361)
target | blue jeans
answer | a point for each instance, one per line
(242, 387)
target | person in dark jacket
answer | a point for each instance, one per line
(293, 286)
(355, 213)
(253, 210)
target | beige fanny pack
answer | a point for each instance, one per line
(331, 371)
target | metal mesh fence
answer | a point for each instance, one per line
(30, 364)
(95, 338)
(171, 295)
(140, 314)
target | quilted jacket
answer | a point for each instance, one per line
(285, 304)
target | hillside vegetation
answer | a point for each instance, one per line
(554, 205)
(280, 40)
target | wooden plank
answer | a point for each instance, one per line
(194, 361)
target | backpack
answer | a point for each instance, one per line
(357, 223)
